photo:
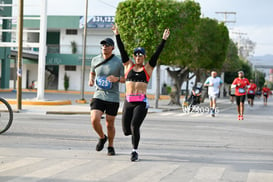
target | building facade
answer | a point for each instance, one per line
(65, 52)
(64, 45)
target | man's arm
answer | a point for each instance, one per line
(206, 84)
(91, 81)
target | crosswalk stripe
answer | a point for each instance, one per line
(103, 171)
(166, 113)
(156, 173)
(260, 176)
(182, 114)
(185, 114)
(49, 171)
(62, 168)
(19, 163)
(209, 174)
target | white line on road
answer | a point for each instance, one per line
(19, 163)
(48, 171)
(260, 176)
(103, 171)
(154, 174)
(211, 174)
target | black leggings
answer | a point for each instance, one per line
(133, 115)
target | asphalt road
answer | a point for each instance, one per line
(174, 146)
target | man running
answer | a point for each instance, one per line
(105, 73)
(240, 83)
(213, 83)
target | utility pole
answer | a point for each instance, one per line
(84, 52)
(225, 21)
(19, 61)
(226, 13)
(239, 42)
(239, 35)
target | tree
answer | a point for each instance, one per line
(259, 78)
(232, 61)
(213, 44)
(194, 43)
(142, 22)
(244, 66)
(66, 82)
(212, 47)
(209, 48)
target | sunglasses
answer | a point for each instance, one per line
(139, 54)
(106, 44)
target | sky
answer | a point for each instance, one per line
(253, 19)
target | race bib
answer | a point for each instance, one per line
(251, 92)
(242, 90)
(103, 83)
(265, 93)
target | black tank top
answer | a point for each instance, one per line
(134, 76)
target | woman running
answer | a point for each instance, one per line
(266, 93)
(137, 76)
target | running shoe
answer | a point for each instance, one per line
(242, 117)
(213, 112)
(101, 143)
(111, 151)
(134, 156)
(239, 117)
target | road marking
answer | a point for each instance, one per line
(19, 163)
(48, 171)
(103, 171)
(156, 173)
(182, 114)
(260, 176)
(166, 113)
(211, 174)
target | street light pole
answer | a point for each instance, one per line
(84, 51)
(42, 51)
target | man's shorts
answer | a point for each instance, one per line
(250, 96)
(240, 99)
(213, 96)
(110, 108)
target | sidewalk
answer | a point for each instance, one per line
(61, 102)
(65, 102)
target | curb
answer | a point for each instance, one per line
(68, 112)
(36, 102)
(152, 110)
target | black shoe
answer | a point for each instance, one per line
(101, 143)
(134, 156)
(111, 151)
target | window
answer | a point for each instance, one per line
(70, 68)
(71, 32)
